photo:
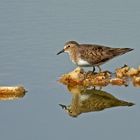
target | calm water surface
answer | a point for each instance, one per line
(31, 33)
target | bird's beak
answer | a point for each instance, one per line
(60, 52)
(63, 106)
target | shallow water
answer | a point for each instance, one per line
(31, 33)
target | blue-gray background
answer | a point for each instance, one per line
(31, 33)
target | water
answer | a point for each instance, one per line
(31, 33)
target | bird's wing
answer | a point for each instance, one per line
(95, 54)
(99, 101)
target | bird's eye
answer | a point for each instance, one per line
(68, 46)
(70, 111)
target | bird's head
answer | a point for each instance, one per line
(69, 47)
(69, 110)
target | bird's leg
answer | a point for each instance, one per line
(100, 70)
(93, 69)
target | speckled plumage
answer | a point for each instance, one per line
(90, 100)
(88, 55)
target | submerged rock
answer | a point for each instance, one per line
(11, 92)
(90, 79)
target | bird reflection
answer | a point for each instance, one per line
(90, 100)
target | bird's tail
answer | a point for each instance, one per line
(124, 103)
(121, 51)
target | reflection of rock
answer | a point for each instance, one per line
(89, 79)
(89, 100)
(11, 93)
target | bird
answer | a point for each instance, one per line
(91, 55)
(91, 100)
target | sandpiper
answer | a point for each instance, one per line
(91, 55)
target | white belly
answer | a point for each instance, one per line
(82, 62)
(84, 97)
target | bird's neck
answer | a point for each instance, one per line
(75, 105)
(74, 55)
